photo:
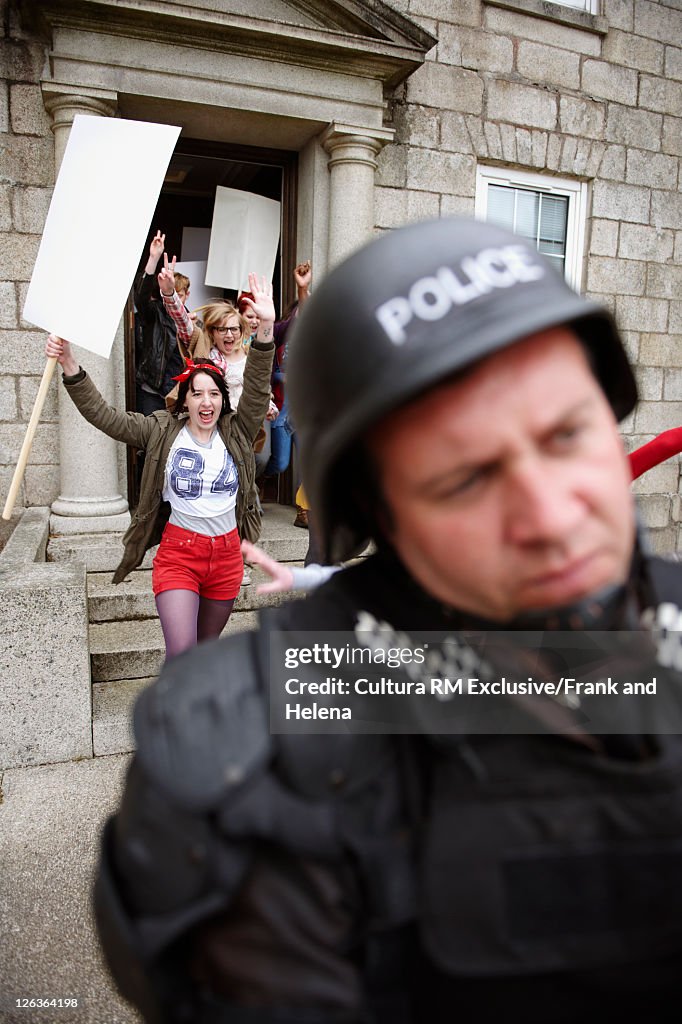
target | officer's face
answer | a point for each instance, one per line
(509, 489)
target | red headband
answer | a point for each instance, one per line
(190, 367)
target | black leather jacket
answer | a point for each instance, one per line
(160, 359)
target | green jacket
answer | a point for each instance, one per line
(155, 435)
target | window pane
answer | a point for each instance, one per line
(526, 214)
(540, 217)
(553, 218)
(552, 234)
(501, 206)
(551, 248)
(559, 264)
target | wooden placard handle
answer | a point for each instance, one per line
(28, 439)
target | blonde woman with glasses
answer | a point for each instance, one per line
(226, 331)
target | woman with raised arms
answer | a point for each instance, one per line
(197, 494)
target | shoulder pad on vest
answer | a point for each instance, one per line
(202, 728)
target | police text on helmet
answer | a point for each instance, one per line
(432, 297)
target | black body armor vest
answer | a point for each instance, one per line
(511, 855)
(541, 853)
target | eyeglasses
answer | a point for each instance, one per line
(224, 330)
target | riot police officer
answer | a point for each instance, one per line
(531, 869)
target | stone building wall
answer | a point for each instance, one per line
(524, 84)
(601, 103)
(26, 180)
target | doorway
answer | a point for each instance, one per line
(196, 168)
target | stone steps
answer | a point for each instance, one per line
(112, 709)
(133, 599)
(102, 552)
(126, 656)
(126, 641)
(125, 637)
(134, 648)
(127, 649)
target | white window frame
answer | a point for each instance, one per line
(577, 208)
(591, 6)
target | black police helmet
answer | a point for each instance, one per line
(403, 314)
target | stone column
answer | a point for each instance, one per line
(352, 163)
(89, 500)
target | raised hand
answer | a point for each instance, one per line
(157, 246)
(57, 348)
(166, 277)
(262, 303)
(155, 249)
(303, 275)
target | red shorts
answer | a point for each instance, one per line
(212, 567)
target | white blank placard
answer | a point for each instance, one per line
(199, 293)
(96, 227)
(244, 237)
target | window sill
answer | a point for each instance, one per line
(556, 12)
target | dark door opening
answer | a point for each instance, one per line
(186, 200)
